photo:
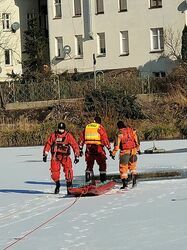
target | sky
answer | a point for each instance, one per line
(151, 216)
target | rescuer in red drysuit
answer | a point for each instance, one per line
(59, 143)
(95, 137)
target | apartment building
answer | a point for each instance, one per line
(14, 15)
(112, 34)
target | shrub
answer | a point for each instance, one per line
(111, 100)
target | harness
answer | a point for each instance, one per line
(60, 147)
(128, 139)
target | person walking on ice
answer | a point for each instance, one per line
(127, 142)
(95, 137)
(59, 144)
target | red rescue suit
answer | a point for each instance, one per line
(59, 144)
(95, 138)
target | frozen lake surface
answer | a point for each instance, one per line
(151, 216)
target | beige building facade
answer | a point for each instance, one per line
(14, 15)
(89, 35)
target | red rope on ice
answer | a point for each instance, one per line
(44, 223)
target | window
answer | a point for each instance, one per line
(124, 43)
(122, 5)
(6, 21)
(99, 7)
(159, 74)
(157, 39)
(79, 46)
(8, 57)
(59, 47)
(31, 18)
(77, 7)
(101, 44)
(155, 3)
(58, 12)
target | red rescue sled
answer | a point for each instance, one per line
(91, 190)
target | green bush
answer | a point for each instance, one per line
(111, 100)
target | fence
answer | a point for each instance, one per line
(55, 89)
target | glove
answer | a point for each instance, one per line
(44, 158)
(76, 160)
(81, 152)
(139, 152)
(111, 155)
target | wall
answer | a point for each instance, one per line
(137, 20)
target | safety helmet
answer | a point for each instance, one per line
(97, 119)
(61, 125)
(121, 124)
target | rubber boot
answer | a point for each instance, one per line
(134, 178)
(103, 177)
(57, 188)
(125, 183)
(88, 176)
(68, 185)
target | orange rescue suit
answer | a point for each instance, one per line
(128, 143)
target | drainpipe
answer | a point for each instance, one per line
(185, 13)
(87, 19)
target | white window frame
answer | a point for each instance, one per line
(57, 9)
(59, 47)
(155, 4)
(124, 42)
(77, 8)
(101, 42)
(99, 6)
(122, 5)
(9, 51)
(6, 21)
(157, 39)
(79, 46)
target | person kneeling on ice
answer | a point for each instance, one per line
(127, 142)
(95, 137)
(59, 143)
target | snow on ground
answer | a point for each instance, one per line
(151, 216)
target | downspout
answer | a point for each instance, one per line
(185, 13)
(87, 19)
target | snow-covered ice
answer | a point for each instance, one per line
(151, 216)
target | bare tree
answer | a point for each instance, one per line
(172, 42)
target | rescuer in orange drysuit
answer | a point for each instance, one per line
(95, 137)
(127, 141)
(59, 143)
